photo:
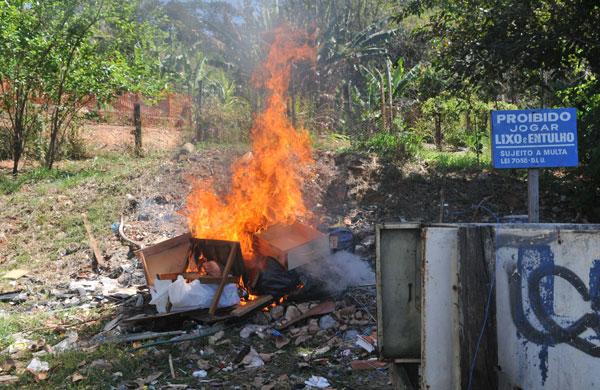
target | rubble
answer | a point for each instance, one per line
(70, 342)
(38, 368)
(252, 359)
(277, 312)
(327, 322)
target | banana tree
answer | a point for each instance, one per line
(385, 86)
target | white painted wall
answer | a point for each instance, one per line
(525, 363)
(439, 328)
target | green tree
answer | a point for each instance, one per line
(68, 52)
(529, 53)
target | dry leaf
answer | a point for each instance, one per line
(77, 377)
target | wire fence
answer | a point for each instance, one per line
(174, 110)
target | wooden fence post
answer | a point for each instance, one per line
(137, 122)
(197, 108)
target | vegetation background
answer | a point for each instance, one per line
(411, 79)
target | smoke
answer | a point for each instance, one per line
(335, 273)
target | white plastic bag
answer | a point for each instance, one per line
(160, 295)
(187, 296)
(195, 295)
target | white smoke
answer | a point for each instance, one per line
(339, 271)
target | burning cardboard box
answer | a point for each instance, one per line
(185, 273)
(292, 245)
(185, 255)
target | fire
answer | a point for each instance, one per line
(266, 184)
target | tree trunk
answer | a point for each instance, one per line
(18, 135)
(438, 131)
(52, 147)
(390, 94)
(348, 90)
(17, 148)
(384, 124)
(468, 121)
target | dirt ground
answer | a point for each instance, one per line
(102, 137)
(41, 233)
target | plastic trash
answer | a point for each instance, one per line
(115, 227)
(341, 239)
(195, 295)
(364, 344)
(160, 295)
(253, 359)
(36, 366)
(199, 374)
(189, 296)
(318, 382)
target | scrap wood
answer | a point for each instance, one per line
(228, 265)
(141, 336)
(367, 364)
(132, 243)
(148, 317)
(112, 323)
(321, 309)
(15, 274)
(197, 276)
(7, 296)
(93, 244)
(171, 367)
(242, 310)
(186, 337)
(8, 379)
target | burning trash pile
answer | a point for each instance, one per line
(253, 244)
(252, 252)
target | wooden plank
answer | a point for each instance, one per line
(228, 265)
(478, 340)
(196, 276)
(242, 310)
(93, 244)
(7, 296)
(404, 361)
(141, 336)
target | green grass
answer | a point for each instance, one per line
(332, 141)
(51, 202)
(454, 161)
(68, 174)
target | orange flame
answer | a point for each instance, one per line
(266, 184)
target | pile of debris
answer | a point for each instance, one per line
(202, 289)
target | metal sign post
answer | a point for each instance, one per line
(533, 195)
(534, 139)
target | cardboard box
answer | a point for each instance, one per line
(292, 245)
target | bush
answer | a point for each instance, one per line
(226, 122)
(393, 145)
